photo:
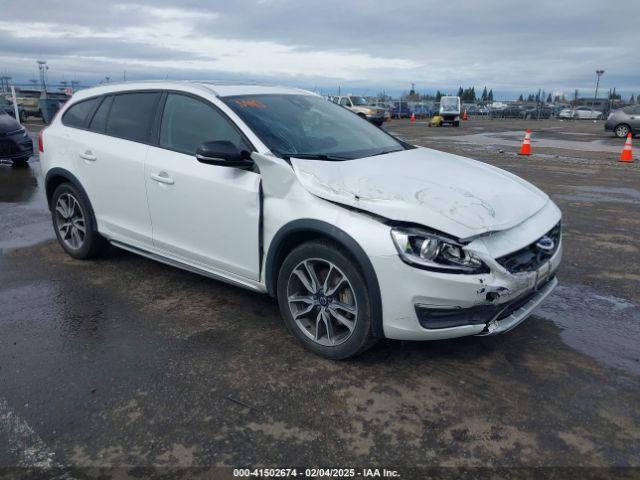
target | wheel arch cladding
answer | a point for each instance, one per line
(298, 232)
(56, 177)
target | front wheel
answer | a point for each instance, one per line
(324, 301)
(621, 131)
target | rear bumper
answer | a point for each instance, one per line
(15, 146)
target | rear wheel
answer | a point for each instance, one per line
(622, 130)
(324, 301)
(73, 223)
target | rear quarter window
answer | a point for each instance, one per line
(76, 115)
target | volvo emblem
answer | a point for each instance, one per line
(545, 244)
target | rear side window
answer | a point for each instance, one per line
(131, 116)
(76, 115)
(188, 122)
(99, 121)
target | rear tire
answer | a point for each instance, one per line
(74, 223)
(324, 301)
(622, 130)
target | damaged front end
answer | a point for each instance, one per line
(521, 281)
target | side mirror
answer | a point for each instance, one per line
(223, 154)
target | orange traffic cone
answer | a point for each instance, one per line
(627, 154)
(525, 149)
(464, 115)
(413, 117)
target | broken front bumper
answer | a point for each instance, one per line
(519, 311)
(431, 306)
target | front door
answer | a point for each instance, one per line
(202, 214)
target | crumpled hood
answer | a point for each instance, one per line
(449, 193)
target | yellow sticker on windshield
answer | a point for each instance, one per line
(251, 103)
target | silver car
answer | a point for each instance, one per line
(624, 121)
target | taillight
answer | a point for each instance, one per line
(40, 142)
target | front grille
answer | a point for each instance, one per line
(531, 257)
(8, 147)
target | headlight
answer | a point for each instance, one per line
(434, 252)
(370, 111)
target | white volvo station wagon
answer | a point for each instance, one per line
(358, 234)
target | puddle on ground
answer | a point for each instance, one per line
(602, 194)
(495, 138)
(603, 327)
(24, 217)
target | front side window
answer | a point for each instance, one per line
(309, 125)
(188, 122)
(359, 101)
(76, 115)
(131, 116)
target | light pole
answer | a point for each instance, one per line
(595, 97)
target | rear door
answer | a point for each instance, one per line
(202, 214)
(112, 160)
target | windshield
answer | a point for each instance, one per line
(310, 126)
(359, 101)
(449, 104)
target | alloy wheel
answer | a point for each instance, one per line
(70, 221)
(622, 131)
(322, 302)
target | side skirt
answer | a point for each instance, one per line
(187, 267)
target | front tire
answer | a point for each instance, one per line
(324, 301)
(73, 223)
(622, 130)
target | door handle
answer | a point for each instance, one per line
(162, 177)
(87, 155)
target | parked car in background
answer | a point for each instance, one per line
(401, 110)
(7, 107)
(534, 113)
(580, 113)
(15, 143)
(357, 234)
(363, 108)
(510, 111)
(427, 110)
(624, 121)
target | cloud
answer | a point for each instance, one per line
(555, 45)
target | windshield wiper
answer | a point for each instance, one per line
(313, 156)
(384, 152)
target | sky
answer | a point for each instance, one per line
(358, 46)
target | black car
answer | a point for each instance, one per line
(533, 113)
(511, 111)
(15, 143)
